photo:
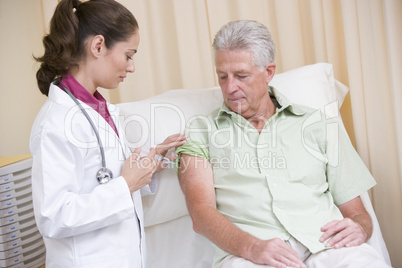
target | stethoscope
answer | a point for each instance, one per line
(104, 174)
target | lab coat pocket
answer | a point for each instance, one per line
(105, 258)
(105, 247)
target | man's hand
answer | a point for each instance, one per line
(346, 233)
(275, 252)
(355, 229)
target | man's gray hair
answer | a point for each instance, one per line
(247, 35)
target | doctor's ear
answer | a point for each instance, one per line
(97, 45)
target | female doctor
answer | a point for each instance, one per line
(85, 182)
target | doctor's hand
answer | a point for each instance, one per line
(138, 173)
(170, 142)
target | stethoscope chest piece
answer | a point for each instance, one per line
(104, 175)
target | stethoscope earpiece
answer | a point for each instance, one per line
(104, 175)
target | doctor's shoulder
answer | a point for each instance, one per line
(59, 115)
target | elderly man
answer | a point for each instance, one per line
(251, 185)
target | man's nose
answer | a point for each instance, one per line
(231, 85)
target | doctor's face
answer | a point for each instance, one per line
(117, 62)
(244, 87)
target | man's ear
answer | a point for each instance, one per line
(270, 71)
(97, 45)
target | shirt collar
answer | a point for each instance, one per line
(95, 101)
(281, 102)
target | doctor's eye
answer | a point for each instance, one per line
(129, 58)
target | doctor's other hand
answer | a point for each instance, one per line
(172, 141)
(138, 172)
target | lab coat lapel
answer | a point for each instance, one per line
(107, 134)
(114, 113)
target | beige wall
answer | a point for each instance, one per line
(21, 29)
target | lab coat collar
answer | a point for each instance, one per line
(60, 97)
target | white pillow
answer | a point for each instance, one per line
(148, 122)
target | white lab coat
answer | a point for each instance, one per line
(84, 224)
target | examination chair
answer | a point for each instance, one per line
(171, 241)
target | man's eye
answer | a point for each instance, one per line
(129, 58)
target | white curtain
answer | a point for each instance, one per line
(361, 38)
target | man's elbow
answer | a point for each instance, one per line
(196, 228)
(199, 222)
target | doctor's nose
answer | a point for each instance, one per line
(130, 68)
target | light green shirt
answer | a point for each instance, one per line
(285, 181)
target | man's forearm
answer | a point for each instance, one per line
(355, 229)
(213, 225)
(364, 220)
(196, 181)
(198, 186)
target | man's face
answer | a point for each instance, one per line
(244, 87)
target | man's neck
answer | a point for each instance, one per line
(259, 121)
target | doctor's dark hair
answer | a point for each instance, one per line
(247, 35)
(73, 22)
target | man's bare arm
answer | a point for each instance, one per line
(196, 180)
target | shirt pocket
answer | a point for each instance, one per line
(306, 168)
(221, 159)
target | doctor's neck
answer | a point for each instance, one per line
(84, 78)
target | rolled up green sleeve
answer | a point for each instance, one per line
(197, 132)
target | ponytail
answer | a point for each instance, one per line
(71, 25)
(60, 45)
